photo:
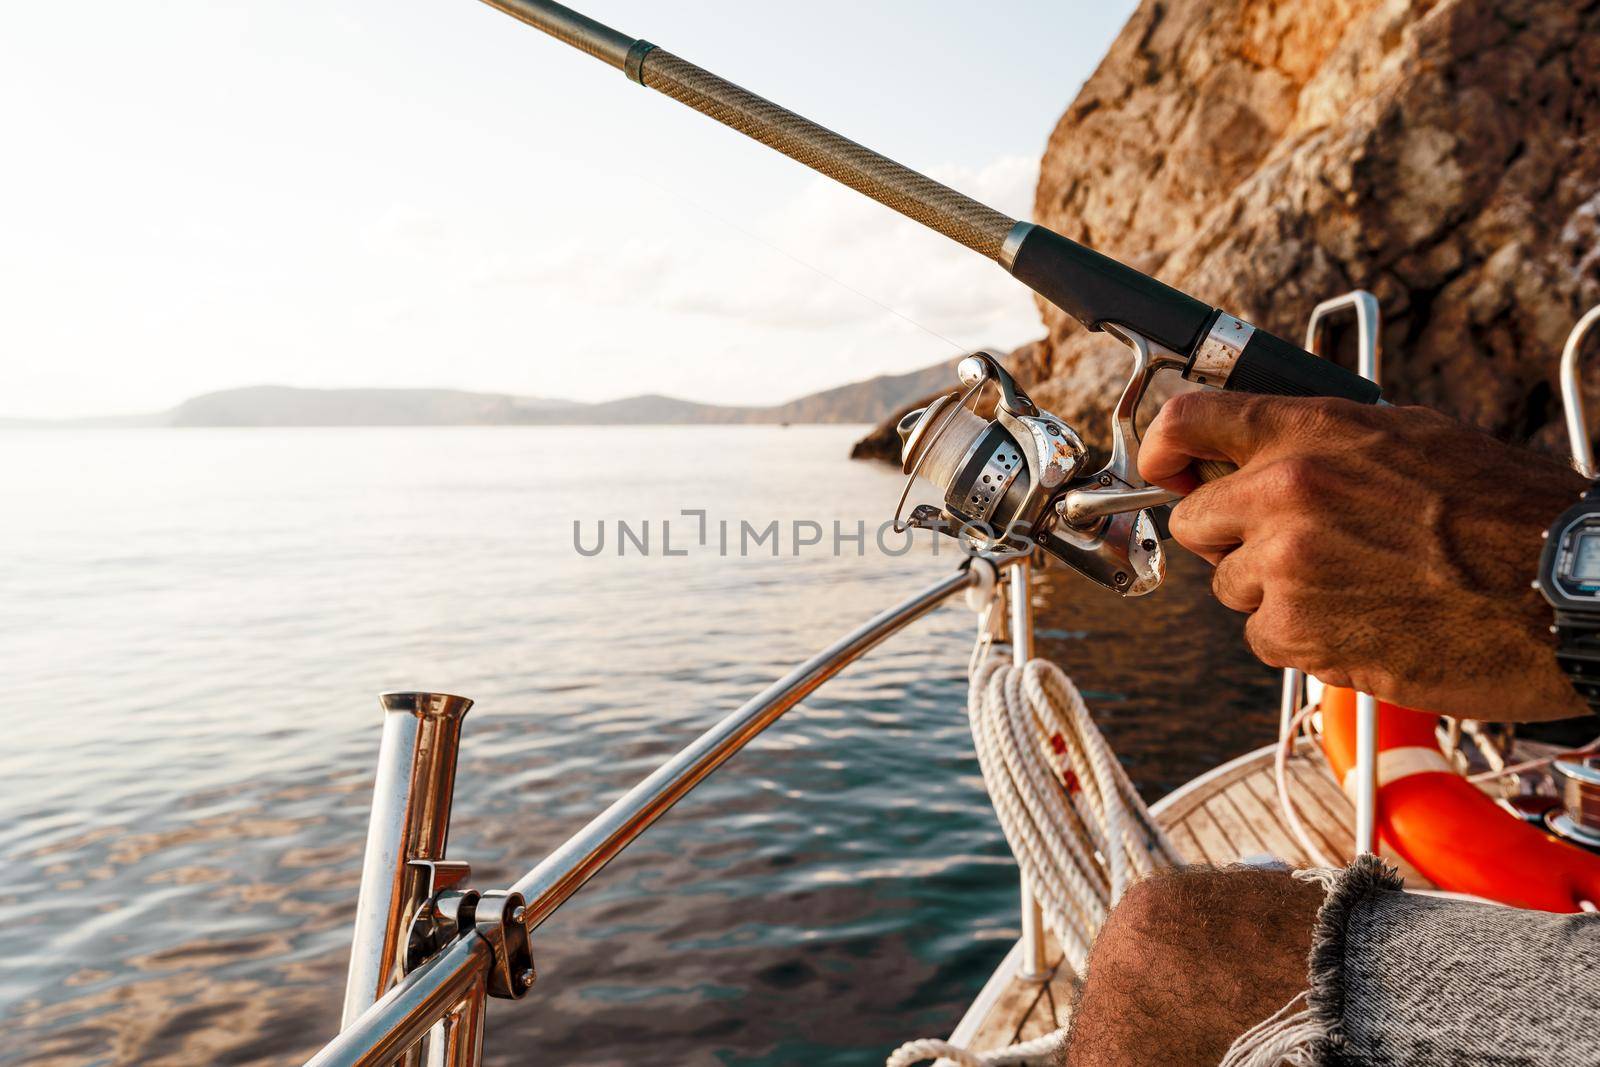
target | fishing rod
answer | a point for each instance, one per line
(1017, 481)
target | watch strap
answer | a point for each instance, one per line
(1578, 653)
(1576, 629)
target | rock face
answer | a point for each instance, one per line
(1264, 156)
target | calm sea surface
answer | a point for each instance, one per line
(194, 628)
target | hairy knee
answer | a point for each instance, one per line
(1167, 929)
(1189, 959)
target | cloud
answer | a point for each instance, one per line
(825, 257)
(860, 255)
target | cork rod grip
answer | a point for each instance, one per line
(917, 196)
(1209, 470)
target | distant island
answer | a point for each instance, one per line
(868, 401)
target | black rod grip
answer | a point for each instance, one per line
(1096, 289)
(1272, 365)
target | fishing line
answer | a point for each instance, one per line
(841, 283)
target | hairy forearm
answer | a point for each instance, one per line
(1387, 549)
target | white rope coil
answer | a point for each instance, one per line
(1080, 832)
(1041, 1050)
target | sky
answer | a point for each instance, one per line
(204, 194)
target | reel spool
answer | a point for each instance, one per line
(980, 465)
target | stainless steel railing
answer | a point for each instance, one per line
(1572, 394)
(552, 882)
(390, 1030)
(434, 1014)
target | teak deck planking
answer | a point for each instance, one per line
(1228, 816)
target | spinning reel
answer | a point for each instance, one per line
(1019, 481)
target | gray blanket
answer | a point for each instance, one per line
(1405, 979)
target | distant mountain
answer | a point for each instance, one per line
(871, 400)
(281, 405)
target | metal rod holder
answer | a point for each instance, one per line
(411, 801)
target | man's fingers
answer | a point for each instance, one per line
(1263, 632)
(1238, 581)
(1220, 516)
(1205, 425)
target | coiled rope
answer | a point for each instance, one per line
(1039, 1051)
(1078, 829)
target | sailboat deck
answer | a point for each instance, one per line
(1232, 815)
(1229, 815)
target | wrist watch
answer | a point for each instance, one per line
(1569, 578)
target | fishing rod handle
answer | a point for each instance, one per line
(1223, 351)
(1209, 470)
(1269, 364)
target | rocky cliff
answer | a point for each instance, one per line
(1265, 155)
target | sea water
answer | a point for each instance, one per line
(196, 625)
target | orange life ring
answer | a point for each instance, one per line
(1446, 827)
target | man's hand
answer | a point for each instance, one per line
(1385, 549)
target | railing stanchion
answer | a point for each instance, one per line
(1369, 356)
(1035, 967)
(457, 1040)
(1572, 394)
(1291, 700)
(410, 821)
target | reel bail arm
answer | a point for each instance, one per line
(1118, 486)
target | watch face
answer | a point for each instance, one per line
(1586, 557)
(1577, 563)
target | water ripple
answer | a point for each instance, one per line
(203, 619)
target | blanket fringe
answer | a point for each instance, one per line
(1292, 1037)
